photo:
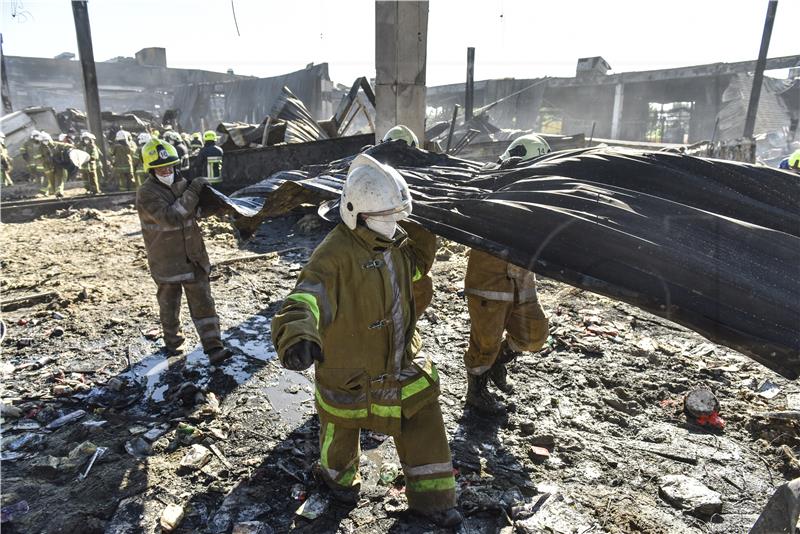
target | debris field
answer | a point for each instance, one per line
(102, 432)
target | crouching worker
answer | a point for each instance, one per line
(352, 314)
(176, 253)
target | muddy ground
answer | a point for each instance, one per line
(604, 398)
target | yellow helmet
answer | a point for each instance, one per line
(526, 147)
(794, 160)
(403, 133)
(158, 153)
(210, 135)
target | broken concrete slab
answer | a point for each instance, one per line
(690, 495)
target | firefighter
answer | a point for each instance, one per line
(176, 253)
(423, 288)
(31, 152)
(139, 171)
(5, 162)
(791, 163)
(403, 133)
(54, 154)
(176, 140)
(90, 173)
(122, 158)
(505, 315)
(208, 162)
(352, 315)
(195, 144)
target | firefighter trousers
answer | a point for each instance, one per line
(124, 179)
(524, 323)
(201, 308)
(56, 179)
(423, 450)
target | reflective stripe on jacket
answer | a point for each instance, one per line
(171, 234)
(492, 278)
(354, 298)
(122, 154)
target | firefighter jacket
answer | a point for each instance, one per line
(94, 155)
(208, 163)
(171, 234)
(55, 156)
(354, 299)
(31, 152)
(492, 278)
(5, 160)
(122, 155)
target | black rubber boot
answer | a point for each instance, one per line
(443, 518)
(479, 397)
(219, 355)
(499, 377)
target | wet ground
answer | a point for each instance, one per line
(236, 443)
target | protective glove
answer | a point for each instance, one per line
(197, 184)
(301, 355)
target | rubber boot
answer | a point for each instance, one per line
(479, 397)
(498, 374)
(443, 518)
(219, 355)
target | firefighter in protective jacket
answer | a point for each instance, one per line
(501, 299)
(352, 314)
(176, 253)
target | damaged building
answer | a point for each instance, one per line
(678, 105)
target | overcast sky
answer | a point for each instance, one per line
(513, 38)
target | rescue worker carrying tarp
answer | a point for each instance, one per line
(423, 288)
(176, 253)
(90, 173)
(208, 161)
(122, 159)
(54, 157)
(352, 315)
(5, 162)
(501, 298)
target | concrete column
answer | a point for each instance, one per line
(401, 30)
(616, 114)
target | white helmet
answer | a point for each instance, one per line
(44, 137)
(122, 135)
(35, 135)
(143, 138)
(526, 147)
(403, 133)
(62, 137)
(87, 135)
(376, 191)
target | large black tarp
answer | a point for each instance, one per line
(712, 245)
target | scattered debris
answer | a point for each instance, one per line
(66, 419)
(171, 517)
(702, 408)
(690, 495)
(197, 457)
(313, 507)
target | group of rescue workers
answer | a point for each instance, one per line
(48, 160)
(353, 314)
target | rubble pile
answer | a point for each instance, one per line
(102, 432)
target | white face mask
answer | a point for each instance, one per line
(385, 228)
(166, 180)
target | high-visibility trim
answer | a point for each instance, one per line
(385, 411)
(347, 476)
(341, 397)
(528, 295)
(187, 277)
(428, 469)
(417, 275)
(432, 484)
(506, 296)
(326, 444)
(318, 290)
(399, 335)
(180, 208)
(309, 300)
(357, 413)
(419, 384)
(164, 228)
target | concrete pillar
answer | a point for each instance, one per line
(616, 114)
(401, 38)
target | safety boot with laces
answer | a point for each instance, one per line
(479, 397)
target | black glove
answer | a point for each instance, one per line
(301, 355)
(197, 184)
